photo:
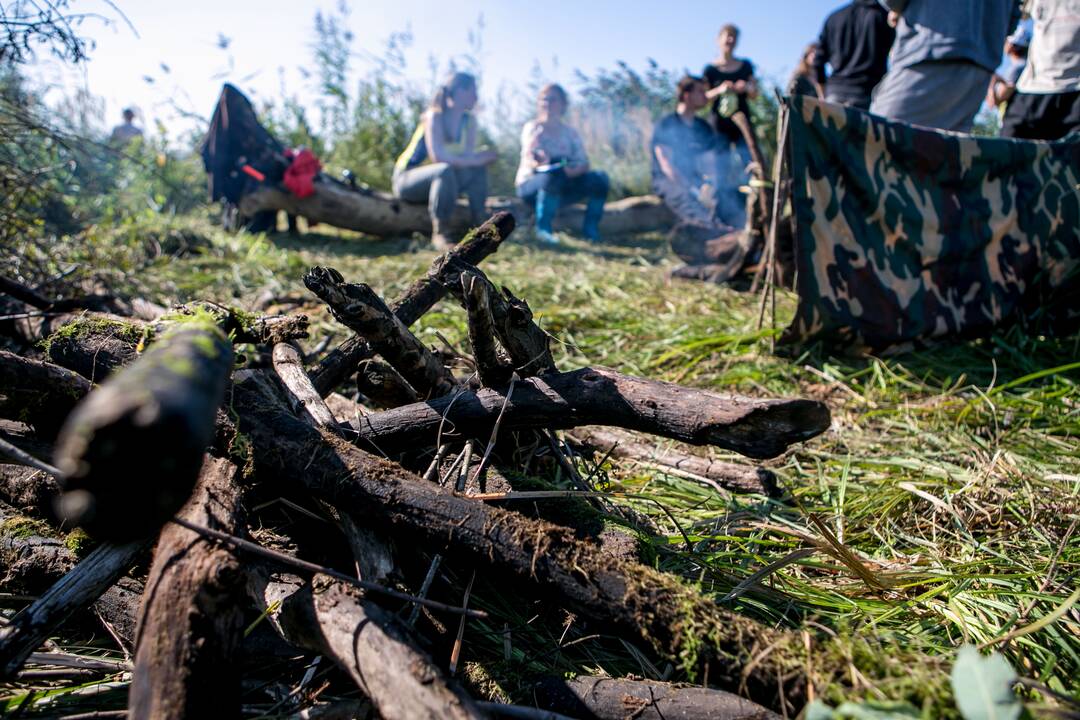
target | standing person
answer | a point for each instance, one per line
(441, 160)
(123, 134)
(855, 43)
(684, 167)
(731, 86)
(942, 61)
(554, 170)
(804, 81)
(1046, 105)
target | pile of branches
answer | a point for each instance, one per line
(152, 433)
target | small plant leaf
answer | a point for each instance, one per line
(982, 686)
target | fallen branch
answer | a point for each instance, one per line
(599, 396)
(674, 619)
(717, 474)
(74, 591)
(192, 614)
(131, 451)
(417, 299)
(38, 393)
(333, 619)
(611, 699)
(356, 306)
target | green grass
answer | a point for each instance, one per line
(948, 484)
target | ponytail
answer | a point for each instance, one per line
(456, 81)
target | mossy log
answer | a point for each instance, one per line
(377, 213)
(192, 617)
(599, 396)
(38, 393)
(616, 699)
(628, 597)
(369, 643)
(95, 344)
(714, 473)
(131, 451)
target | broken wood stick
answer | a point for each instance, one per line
(80, 587)
(724, 476)
(493, 372)
(131, 451)
(193, 610)
(383, 385)
(599, 396)
(38, 393)
(616, 699)
(369, 643)
(417, 299)
(356, 306)
(676, 620)
(527, 344)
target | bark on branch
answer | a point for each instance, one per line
(192, 615)
(333, 619)
(356, 306)
(38, 393)
(599, 396)
(630, 597)
(131, 451)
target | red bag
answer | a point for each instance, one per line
(300, 175)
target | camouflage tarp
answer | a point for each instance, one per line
(905, 234)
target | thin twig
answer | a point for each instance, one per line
(455, 654)
(425, 587)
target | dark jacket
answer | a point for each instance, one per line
(957, 30)
(855, 41)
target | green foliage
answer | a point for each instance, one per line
(818, 710)
(982, 686)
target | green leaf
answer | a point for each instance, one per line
(982, 686)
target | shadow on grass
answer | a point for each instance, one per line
(342, 244)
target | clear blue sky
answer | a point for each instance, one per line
(270, 43)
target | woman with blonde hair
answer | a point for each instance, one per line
(803, 80)
(441, 160)
(554, 170)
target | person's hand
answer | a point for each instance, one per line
(486, 157)
(726, 86)
(893, 19)
(740, 87)
(541, 157)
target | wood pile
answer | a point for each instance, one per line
(147, 434)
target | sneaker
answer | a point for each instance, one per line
(547, 237)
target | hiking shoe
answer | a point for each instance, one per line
(546, 237)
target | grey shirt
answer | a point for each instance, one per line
(956, 30)
(1054, 56)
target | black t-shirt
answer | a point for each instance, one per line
(714, 76)
(686, 142)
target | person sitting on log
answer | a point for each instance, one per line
(684, 167)
(442, 161)
(554, 169)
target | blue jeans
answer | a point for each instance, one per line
(557, 190)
